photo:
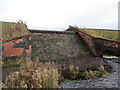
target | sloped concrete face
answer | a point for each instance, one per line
(88, 40)
(47, 45)
(58, 46)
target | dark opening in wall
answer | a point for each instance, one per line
(108, 52)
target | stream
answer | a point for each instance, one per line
(110, 80)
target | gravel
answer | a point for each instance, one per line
(107, 81)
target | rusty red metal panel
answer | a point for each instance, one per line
(10, 51)
(17, 47)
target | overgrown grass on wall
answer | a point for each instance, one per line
(13, 30)
(105, 34)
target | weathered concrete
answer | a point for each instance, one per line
(100, 46)
(103, 46)
(52, 45)
(88, 40)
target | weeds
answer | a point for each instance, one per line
(101, 72)
(46, 75)
(15, 62)
(34, 75)
(75, 74)
(2, 85)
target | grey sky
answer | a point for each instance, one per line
(62, 13)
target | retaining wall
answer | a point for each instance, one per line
(51, 45)
(100, 46)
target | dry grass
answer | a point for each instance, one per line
(2, 85)
(13, 30)
(34, 75)
(99, 33)
(89, 74)
(104, 34)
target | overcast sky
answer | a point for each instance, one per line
(60, 14)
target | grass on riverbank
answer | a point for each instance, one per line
(74, 74)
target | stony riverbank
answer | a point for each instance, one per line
(108, 81)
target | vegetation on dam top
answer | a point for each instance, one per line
(104, 34)
(113, 35)
(12, 30)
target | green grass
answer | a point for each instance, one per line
(11, 62)
(6, 24)
(86, 74)
(101, 72)
(104, 34)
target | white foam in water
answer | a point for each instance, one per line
(105, 56)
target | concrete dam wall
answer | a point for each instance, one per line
(54, 45)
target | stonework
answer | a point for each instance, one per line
(57, 46)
